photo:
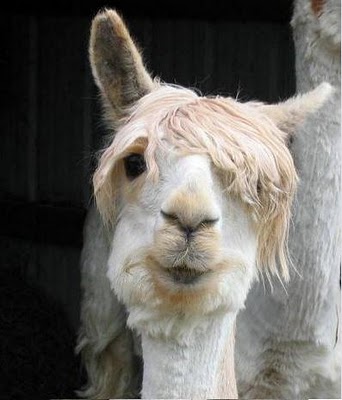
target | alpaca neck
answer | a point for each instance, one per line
(200, 367)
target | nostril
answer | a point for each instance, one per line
(209, 222)
(169, 216)
(188, 230)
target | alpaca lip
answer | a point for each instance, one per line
(184, 274)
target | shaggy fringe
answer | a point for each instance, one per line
(244, 144)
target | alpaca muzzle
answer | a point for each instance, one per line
(185, 275)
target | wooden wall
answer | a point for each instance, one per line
(51, 120)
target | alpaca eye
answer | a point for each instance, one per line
(134, 165)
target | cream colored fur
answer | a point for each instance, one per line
(218, 166)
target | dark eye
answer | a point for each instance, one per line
(134, 165)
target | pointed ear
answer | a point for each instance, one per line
(291, 113)
(116, 63)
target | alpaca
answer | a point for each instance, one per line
(296, 352)
(193, 198)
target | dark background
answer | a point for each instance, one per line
(51, 127)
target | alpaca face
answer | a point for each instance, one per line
(179, 240)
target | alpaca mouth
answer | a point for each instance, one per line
(185, 275)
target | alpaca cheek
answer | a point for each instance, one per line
(132, 191)
(125, 264)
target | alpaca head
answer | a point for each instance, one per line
(197, 189)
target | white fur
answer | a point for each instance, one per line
(197, 363)
(287, 343)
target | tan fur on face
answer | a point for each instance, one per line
(171, 248)
(178, 298)
(190, 207)
(202, 253)
(157, 289)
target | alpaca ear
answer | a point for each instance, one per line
(292, 112)
(116, 63)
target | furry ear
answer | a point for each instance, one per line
(291, 113)
(116, 63)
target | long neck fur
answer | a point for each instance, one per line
(200, 367)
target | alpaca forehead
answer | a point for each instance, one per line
(184, 166)
(183, 176)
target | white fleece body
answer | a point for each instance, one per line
(288, 344)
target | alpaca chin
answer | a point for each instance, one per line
(160, 307)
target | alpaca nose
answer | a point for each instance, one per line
(187, 228)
